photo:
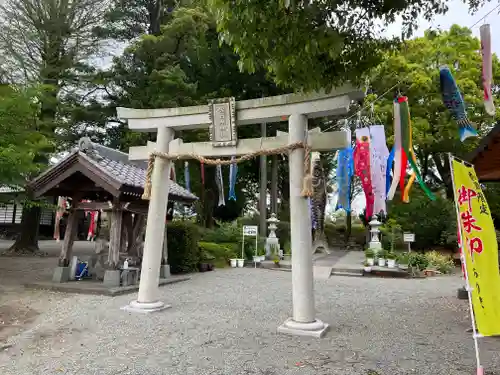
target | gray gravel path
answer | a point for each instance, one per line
(225, 322)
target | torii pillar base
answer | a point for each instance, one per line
(315, 329)
(145, 308)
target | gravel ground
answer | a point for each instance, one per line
(225, 322)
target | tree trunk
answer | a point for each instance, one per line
(348, 218)
(210, 196)
(155, 10)
(443, 168)
(284, 188)
(348, 227)
(27, 240)
(274, 184)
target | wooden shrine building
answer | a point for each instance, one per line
(486, 157)
(98, 178)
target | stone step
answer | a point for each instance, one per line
(285, 264)
(354, 273)
(281, 269)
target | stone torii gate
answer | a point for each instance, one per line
(222, 116)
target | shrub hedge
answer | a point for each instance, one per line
(433, 222)
(220, 252)
(335, 234)
(230, 235)
(183, 251)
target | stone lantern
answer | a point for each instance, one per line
(375, 243)
(272, 242)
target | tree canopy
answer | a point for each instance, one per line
(21, 139)
(315, 44)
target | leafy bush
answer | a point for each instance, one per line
(183, 251)
(418, 260)
(432, 221)
(442, 263)
(335, 233)
(391, 256)
(220, 253)
(391, 236)
(230, 234)
(403, 258)
(382, 254)
(224, 232)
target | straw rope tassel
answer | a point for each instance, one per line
(307, 190)
(149, 172)
(307, 185)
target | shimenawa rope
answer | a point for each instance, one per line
(307, 189)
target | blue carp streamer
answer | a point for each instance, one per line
(187, 180)
(233, 172)
(390, 161)
(453, 101)
(345, 171)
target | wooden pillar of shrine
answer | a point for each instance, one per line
(135, 234)
(62, 271)
(112, 273)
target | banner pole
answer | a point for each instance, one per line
(475, 336)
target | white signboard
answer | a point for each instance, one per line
(408, 237)
(250, 230)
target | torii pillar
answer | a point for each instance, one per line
(221, 117)
(303, 321)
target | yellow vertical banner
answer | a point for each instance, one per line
(479, 247)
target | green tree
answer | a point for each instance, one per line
(433, 222)
(183, 65)
(47, 43)
(20, 142)
(315, 44)
(128, 19)
(414, 69)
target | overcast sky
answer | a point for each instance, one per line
(459, 14)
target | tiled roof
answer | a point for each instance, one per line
(126, 176)
(131, 175)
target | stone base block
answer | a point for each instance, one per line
(165, 271)
(316, 329)
(61, 274)
(462, 293)
(268, 264)
(111, 278)
(145, 308)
